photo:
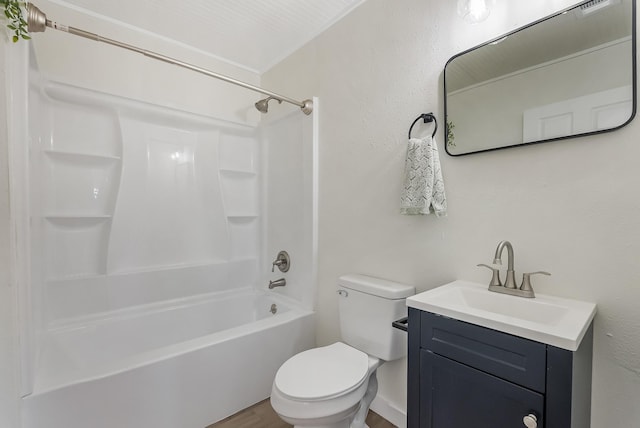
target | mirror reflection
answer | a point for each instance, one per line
(564, 76)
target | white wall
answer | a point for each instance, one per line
(571, 207)
(120, 72)
(289, 194)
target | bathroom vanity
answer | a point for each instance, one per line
(482, 359)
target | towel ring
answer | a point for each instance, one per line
(428, 118)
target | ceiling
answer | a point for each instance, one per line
(255, 34)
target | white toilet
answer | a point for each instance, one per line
(333, 386)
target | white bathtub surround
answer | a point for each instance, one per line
(186, 363)
(84, 349)
(290, 195)
(147, 232)
(134, 203)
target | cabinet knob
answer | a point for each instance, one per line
(530, 421)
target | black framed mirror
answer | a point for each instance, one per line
(567, 75)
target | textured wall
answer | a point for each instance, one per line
(571, 208)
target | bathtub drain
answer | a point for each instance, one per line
(273, 309)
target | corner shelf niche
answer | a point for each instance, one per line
(77, 217)
(240, 191)
(76, 245)
(238, 173)
(80, 166)
(62, 154)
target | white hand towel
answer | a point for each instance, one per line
(423, 191)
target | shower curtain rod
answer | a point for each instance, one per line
(37, 23)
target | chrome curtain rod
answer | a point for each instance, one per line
(37, 23)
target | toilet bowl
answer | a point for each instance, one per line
(325, 387)
(333, 386)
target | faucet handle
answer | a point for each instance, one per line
(283, 261)
(495, 277)
(526, 280)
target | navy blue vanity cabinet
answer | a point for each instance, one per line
(462, 375)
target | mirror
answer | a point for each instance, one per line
(567, 75)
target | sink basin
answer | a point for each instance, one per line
(547, 319)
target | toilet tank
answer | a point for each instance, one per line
(367, 307)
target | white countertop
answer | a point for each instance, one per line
(547, 319)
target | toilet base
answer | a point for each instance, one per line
(353, 417)
(342, 420)
(345, 425)
(346, 411)
(365, 403)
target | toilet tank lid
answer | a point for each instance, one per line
(376, 286)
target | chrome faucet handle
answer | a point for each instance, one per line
(495, 277)
(283, 261)
(526, 281)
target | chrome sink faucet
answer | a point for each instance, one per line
(509, 287)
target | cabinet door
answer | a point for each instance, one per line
(453, 395)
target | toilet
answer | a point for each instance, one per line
(333, 386)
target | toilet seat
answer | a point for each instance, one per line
(322, 373)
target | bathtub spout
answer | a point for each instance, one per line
(277, 283)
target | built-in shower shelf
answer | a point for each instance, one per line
(79, 155)
(241, 216)
(62, 281)
(238, 173)
(77, 217)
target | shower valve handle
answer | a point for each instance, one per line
(282, 261)
(276, 263)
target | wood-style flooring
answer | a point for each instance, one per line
(261, 415)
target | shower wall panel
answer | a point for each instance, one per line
(290, 145)
(134, 203)
(169, 209)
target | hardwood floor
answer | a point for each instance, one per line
(261, 415)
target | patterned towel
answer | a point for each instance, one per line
(423, 191)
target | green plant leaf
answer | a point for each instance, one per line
(13, 10)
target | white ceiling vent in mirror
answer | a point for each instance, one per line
(594, 6)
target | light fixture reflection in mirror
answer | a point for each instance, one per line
(474, 11)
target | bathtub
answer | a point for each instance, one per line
(183, 364)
